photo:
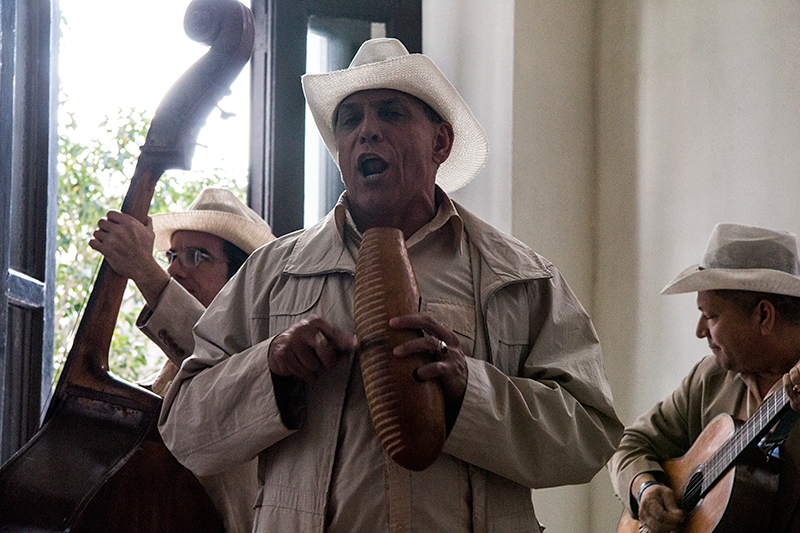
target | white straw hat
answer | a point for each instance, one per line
(386, 64)
(744, 258)
(220, 213)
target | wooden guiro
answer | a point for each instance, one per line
(408, 415)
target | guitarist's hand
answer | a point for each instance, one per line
(659, 511)
(791, 382)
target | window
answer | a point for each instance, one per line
(331, 45)
(28, 103)
(28, 148)
(293, 180)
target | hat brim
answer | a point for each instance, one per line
(417, 75)
(235, 229)
(744, 279)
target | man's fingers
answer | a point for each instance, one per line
(324, 349)
(308, 347)
(659, 509)
(339, 342)
(428, 324)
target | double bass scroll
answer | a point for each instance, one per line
(89, 467)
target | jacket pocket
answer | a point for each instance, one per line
(295, 299)
(509, 329)
(458, 316)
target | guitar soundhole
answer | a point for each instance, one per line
(694, 491)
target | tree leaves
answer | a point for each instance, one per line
(93, 178)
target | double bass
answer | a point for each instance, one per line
(97, 463)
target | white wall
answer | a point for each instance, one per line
(698, 123)
(526, 71)
(719, 141)
(553, 167)
(553, 158)
(472, 42)
(617, 274)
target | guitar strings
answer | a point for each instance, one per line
(756, 425)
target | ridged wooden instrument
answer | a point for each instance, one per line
(408, 415)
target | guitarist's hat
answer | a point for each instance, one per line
(745, 258)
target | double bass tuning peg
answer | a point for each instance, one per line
(225, 115)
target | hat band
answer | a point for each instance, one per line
(744, 255)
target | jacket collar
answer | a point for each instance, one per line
(320, 249)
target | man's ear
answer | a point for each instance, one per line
(442, 142)
(767, 315)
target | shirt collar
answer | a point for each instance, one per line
(445, 214)
(752, 399)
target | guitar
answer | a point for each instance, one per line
(719, 482)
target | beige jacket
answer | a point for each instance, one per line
(537, 410)
(169, 324)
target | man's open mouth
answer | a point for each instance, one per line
(372, 164)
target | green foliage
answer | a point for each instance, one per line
(93, 178)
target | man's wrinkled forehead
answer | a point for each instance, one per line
(392, 96)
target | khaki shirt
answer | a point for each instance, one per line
(439, 253)
(537, 411)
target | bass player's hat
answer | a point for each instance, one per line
(744, 258)
(386, 64)
(220, 213)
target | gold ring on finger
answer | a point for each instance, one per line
(320, 341)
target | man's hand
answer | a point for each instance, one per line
(308, 348)
(127, 245)
(791, 383)
(658, 508)
(448, 365)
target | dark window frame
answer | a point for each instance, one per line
(276, 184)
(29, 32)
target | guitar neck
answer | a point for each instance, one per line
(751, 432)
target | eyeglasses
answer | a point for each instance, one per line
(190, 257)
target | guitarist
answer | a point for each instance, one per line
(748, 294)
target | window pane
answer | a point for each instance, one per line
(115, 57)
(331, 45)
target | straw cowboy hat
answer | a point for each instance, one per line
(386, 64)
(220, 213)
(744, 258)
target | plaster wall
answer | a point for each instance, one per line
(472, 42)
